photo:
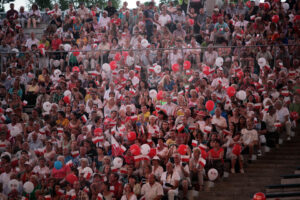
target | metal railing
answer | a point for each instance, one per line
(244, 55)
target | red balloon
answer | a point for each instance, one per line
(98, 131)
(152, 152)
(71, 178)
(135, 150)
(275, 19)
(113, 65)
(187, 65)
(118, 56)
(125, 54)
(175, 67)
(237, 149)
(67, 100)
(131, 136)
(294, 115)
(75, 53)
(191, 21)
(231, 91)
(160, 95)
(240, 74)
(206, 70)
(75, 69)
(248, 4)
(182, 149)
(259, 196)
(209, 105)
(267, 6)
(41, 46)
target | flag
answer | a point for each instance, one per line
(202, 147)
(98, 139)
(257, 105)
(25, 103)
(202, 162)
(181, 92)
(51, 12)
(226, 132)
(60, 130)
(3, 118)
(46, 197)
(138, 158)
(115, 147)
(278, 124)
(114, 169)
(75, 154)
(292, 73)
(69, 163)
(285, 93)
(180, 128)
(189, 72)
(134, 118)
(194, 143)
(138, 68)
(83, 118)
(132, 91)
(87, 175)
(123, 170)
(185, 159)
(60, 192)
(86, 189)
(99, 196)
(122, 149)
(191, 79)
(207, 129)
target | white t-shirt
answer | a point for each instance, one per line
(249, 136)
(163, 19)
(151, 192)
(281, 114)
(168, 178)
(170, 108)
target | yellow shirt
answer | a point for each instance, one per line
(146, 116)
(64, 122)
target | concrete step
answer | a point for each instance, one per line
(287, 188)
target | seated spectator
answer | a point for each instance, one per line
(34, 16)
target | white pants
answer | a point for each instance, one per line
(172, 194)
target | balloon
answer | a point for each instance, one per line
(28, 187)
(240, 74)
(153, 94)
(248, 4)
(145, 149)
(212, 174)
(241, 95)
(286, 6)
(118, 56)
(152, 152)
(187, 65)
(118, 162)
(41, 46)
(135, 150)
(106, 67)
(182, 149)
(67, 100)
(144, 43)
(76, 53)
(231, 91)
(56, 73)
(175, 67)
(157, 69)
(71, 178)
(237, 149)
(47, 106)
(97, 131)
(159, 95)
(219, 61)
(267, 6)
(259, 196)
(209, 105)
(275, 19)
(56, 63)
(58, 165)
(113, 65)
(125, 54)
(191, 21)
(75, 69)
(13, 184)
(131, 136)
(261, 61)
(67, 47)
(206, 70)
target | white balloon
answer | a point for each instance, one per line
(28, 187)
(129, 60)
(16, 51)
(153, 93)
(286, 6)
(47, 106)
(57, 72)
(241, 95)
(212, 174)
(219, 61)
(262, 62)
(144, 43)
(68, 93)
(157, 69)
(56, 63)
(118, 162)
(145, 149)
(67, 47)
(106, 67)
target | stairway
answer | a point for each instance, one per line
(267, 170)
(39, 30)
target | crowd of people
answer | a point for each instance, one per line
(145, 103)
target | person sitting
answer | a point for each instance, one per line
(34, 16)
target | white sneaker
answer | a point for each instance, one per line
(242, 171)
(232, 171)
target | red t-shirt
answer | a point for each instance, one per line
(216, 154)
(55, 44)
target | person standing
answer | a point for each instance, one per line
(149, 18)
